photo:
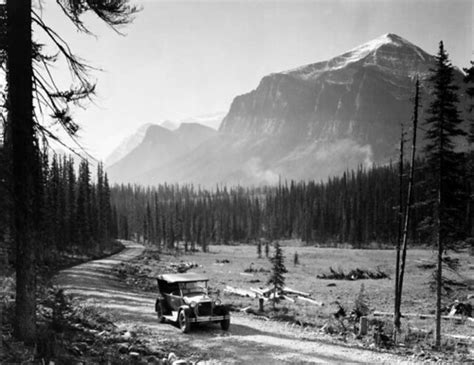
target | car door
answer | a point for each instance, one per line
(175, 300)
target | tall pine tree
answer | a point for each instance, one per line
(444, 169)
(277, 278)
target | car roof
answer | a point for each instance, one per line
(182, 278)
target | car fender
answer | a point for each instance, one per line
(186, 309)
(157, 303)
(221, 310)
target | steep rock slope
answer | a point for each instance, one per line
(362, 95)
(312, 122)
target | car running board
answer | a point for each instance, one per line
(172, 317)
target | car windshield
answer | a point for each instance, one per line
(198, 287)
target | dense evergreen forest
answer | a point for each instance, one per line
(360, 208)
(72, 212)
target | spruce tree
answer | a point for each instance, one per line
(83, 204)
(444, 169)
(469, 79)
(277, 278)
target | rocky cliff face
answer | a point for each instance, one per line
(362, 95)
(313, 121)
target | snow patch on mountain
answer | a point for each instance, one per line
(369, 53)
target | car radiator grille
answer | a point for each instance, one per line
(204, 309)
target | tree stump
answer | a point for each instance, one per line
(363, 326)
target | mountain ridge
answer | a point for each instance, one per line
(159, 143)
(311, 122)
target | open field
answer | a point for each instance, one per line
(417, 296)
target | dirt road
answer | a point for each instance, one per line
(249, 340)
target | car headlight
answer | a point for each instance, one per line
(192, 304)
(217, 302)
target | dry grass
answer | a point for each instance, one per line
(417, 297)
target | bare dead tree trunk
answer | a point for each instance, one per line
(440, 237)
(396, 314)
(408, 205)
(20, 94)
(439, 278)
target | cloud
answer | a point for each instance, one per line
(346, 151)
(254, 169)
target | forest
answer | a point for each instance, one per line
(75, 211)
(72, 213)
(359, 208)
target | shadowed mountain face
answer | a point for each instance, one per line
(311, 122)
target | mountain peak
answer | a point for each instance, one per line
(388, 50)
(387, 38)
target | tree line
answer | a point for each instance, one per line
(359, 207)
(71, 211)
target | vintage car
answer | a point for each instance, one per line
(184, 298)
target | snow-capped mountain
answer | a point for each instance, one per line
(388, 51)
(313, 121)
(332, 98)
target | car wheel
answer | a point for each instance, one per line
(225, 324)
(183, 321)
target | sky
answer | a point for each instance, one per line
(180, 59)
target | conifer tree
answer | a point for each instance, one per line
(83, 203)
(469, 79)
(277, 278)
(444, 169)
(23, 81)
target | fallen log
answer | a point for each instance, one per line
(240, 292)
(257, 291)
(293, 291)
(308, 300)
(267, 291)
(288, 298)
(246, 274)
(462, 338)
(259, 294)
(422, 316)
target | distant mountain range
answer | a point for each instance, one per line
(311, 122)
(131, 142)
(159, 146)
